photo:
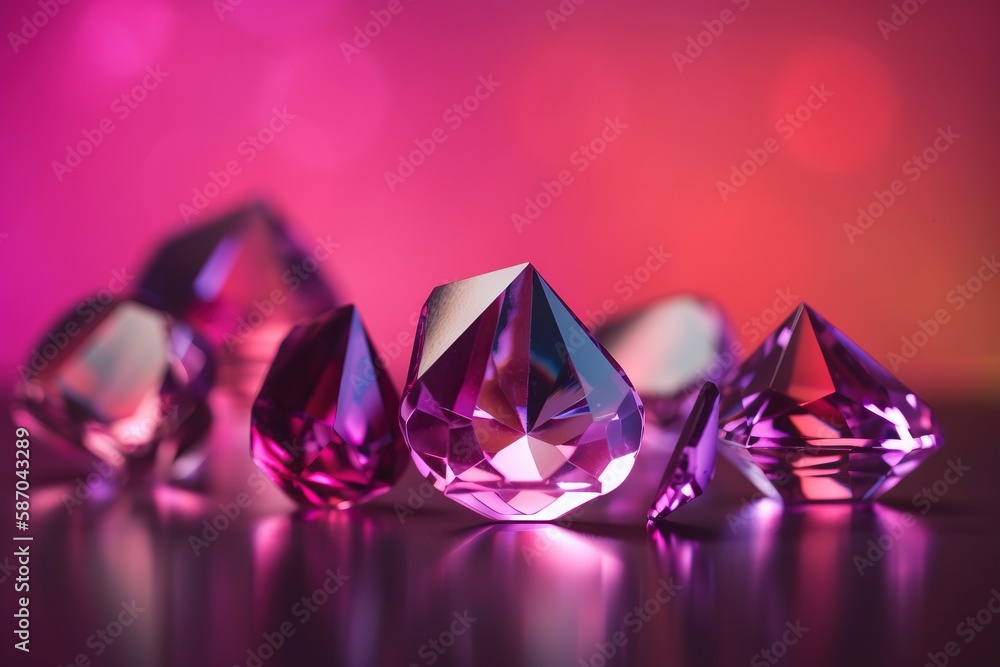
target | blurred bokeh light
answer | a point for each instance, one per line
(685, 94)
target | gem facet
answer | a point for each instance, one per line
(237, 278)
(324, 426)
(820, 418)
(692, 464)
(511, 407)
(669, 349)
(119, 379)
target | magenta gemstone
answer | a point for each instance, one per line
(120, 379)
(324, 426)
(692, 464)
(810, 416)
(239, 280)
(511, 407)
(669, 349)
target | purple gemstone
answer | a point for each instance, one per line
(811, 416)
(511, 407)
(692, 464)
(669, 349)
(120, 379)
(324, 426)
(238, 280)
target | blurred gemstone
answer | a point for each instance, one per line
(119, 378)
(511, 407)
(240, 280)
(692, 464)
(811, 416)
(324, 426)
(669, 349)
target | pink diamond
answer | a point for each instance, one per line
(692, 464)
(511, 407)
(821, 419)
(669, 349)
(119, 379)
(324, 426)
(239, 280)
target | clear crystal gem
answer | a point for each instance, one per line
(692, 464)
(511, 407)
(811, 416)
(119, 379)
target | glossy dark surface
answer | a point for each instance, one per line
(540, 594)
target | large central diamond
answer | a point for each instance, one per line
(511, 407)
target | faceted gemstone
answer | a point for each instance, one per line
(811, 416)
(511, 407)
(629, 504)
(120, 379)
(669, 349)
(692, 464)
(324, 426)
(240, 280)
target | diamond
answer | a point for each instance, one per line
(324, 426)
(119, 379)
(669, 349)
(692, 464)
(237, 279)
(511, 407)
(811, 416)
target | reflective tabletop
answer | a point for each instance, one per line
(164, 575)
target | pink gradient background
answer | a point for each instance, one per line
(655, 185)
